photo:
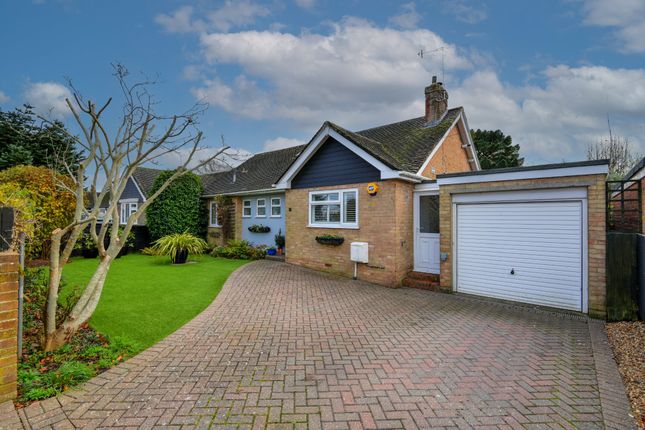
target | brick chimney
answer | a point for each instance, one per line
(436, 102)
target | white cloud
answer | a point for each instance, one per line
(48, 98)
(179, 21)
(358, 74)
(281, 143)
(306, 4)
(4, 98)
(626, 16)
(231, 14)
(408, 19)
(464, 12)
(558, 120)
(231, 158)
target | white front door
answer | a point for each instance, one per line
(426, 233)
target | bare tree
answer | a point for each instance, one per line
(618, 150)
(141, 137)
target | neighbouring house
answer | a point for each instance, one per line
(412, 194)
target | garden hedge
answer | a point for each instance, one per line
(178, 208)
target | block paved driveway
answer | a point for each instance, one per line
(285, 347)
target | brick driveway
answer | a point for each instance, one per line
(284, 347)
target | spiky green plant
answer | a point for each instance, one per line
(173, 244)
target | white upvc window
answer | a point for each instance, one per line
(333, 208)
(127, 210)
(276, 207)
(213, 215)
(261, 208)
(246, 209)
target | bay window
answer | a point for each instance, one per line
(333, 208)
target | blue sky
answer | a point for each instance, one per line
(547, 72)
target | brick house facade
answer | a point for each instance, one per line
(399, 189)
(385, 222)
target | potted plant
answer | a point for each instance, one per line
(279, 242)
(179, 245)
(259, 228)
(271, 251)
(330, 239)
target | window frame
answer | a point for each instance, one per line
(258, 206)
(279, 206)
(340, 201)
(125, 208)
(250, 207)
(211, 222)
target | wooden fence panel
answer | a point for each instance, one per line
(622, 276)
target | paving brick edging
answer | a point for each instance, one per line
(613, 399)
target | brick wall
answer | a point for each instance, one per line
(385, 222)
(219, 236)
(8, 324)
(449, 158)
(595, 185)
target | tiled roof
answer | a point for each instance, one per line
(402, 146)
(145, 178)
(405, 145)
(259, 172)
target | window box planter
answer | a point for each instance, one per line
(259, 228)
(330, 240)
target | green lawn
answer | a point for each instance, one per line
(146, 298)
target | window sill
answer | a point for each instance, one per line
(275, 216)
(334, 226)
(214, 226)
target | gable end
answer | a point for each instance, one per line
(334, 164)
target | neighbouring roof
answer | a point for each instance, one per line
(526, 168)
(403, 145)
(145, 178)
(259, 172)
(634, 170)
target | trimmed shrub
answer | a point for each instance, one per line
(53, 204)
(178, 208)
(240, 250)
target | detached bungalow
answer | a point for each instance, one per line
(411, 200)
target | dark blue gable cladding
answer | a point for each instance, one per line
(334, 164)
(131, 192)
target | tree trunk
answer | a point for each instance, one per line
(54, 284)
(82, 311)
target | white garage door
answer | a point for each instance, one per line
(526, 251)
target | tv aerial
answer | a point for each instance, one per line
(422, 53)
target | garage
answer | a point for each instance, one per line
(520, 247)
(532, 234)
